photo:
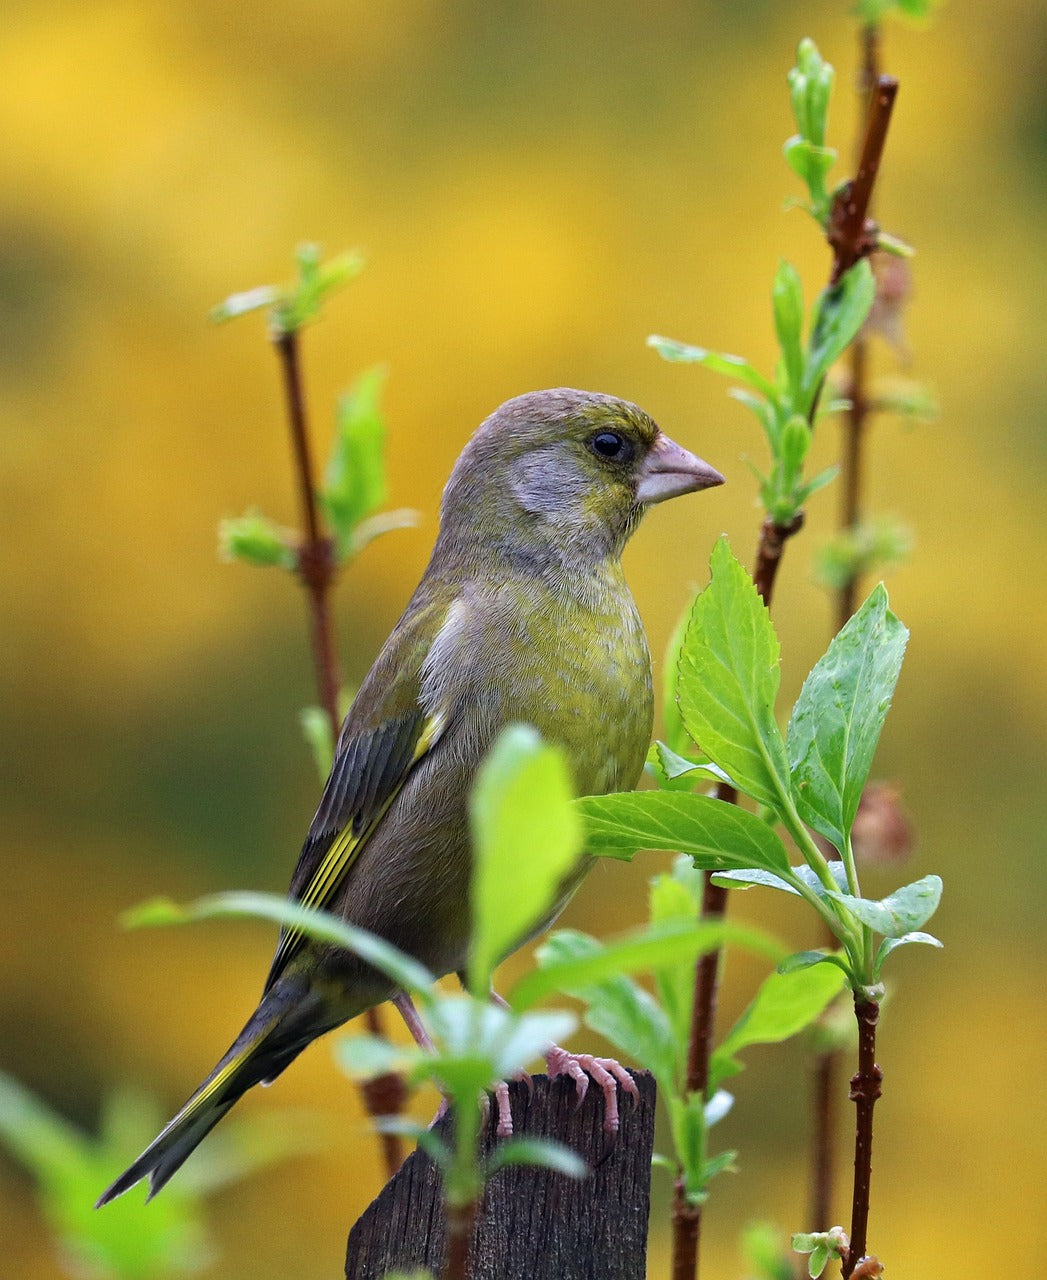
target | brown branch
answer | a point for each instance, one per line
(876, 94)
(316, 562)
(385, 1095)
(850, 234)
(823, 1137)
(687, 1218)
(865, 1089)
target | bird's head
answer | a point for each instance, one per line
(565, 473)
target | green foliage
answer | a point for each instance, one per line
(355, 480)
(654, 1029)
(766, 1255)
(788, 1000)
(296, 304)
(786, 406)
(526, 840)
(355, 484)
(129, 1242)
(810, 88)
(822, 1246)
(811, 778)
(737, 729)
(255, 539)
(855, 552)
(874, 11)
(836, 722)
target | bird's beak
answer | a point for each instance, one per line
(668, 471)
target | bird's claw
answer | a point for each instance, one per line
(606, 1072)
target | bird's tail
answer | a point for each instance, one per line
(275, 1034)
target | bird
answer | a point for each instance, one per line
(523, 615)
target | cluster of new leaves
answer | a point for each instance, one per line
(354, 485)
(69, 1166)
(809, 779)
(787, 404)
(654, 1029)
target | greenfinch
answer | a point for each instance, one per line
(523, 615)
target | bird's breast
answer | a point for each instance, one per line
(572, 663)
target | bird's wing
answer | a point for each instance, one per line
(385, 735)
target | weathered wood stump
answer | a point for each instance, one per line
(534, 1224)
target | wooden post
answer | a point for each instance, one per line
(534, 1224)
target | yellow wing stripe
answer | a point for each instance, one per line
(346, 847)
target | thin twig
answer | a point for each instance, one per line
(850, 234)
(851, 238)
(384, 1095)
(686, 1217)
(865, 1089)
(827, 1063)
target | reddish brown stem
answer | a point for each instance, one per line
(385, 1095)
(865, 1089)
(823, 1139)
(849, 233)
(461, 1226)
(687, 1218)
(876, 113)
(316, 562)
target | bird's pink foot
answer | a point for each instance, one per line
(607, 1073)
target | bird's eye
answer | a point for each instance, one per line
(611, 445)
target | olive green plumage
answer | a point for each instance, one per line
(523, 614)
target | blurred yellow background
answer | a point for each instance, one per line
(537, 187)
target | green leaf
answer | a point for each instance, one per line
(636, 953)
(722, 1163)
(537, 1151)
(750, 876)
(900, 912)
(805, 959)
(853, 553)
(364, 1056)
(675, 733)
(732, 366)
(840, 312)
(676, 899)
(787, 299)
(527, 838)
(316, 729)
(239, 304)
(718, 1106)
(355, 481)
(372, 527)
(687, 1125)
(479, 1041)
(321, 926)
(783, 1006)
(837, 719)
(729, 678)
(677, 773)
(39, 1138)
(890, 944)
(816, 1263)
(291, 306)
(764, 1250)
(255, 539)
(717, 835)
(303, 301)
